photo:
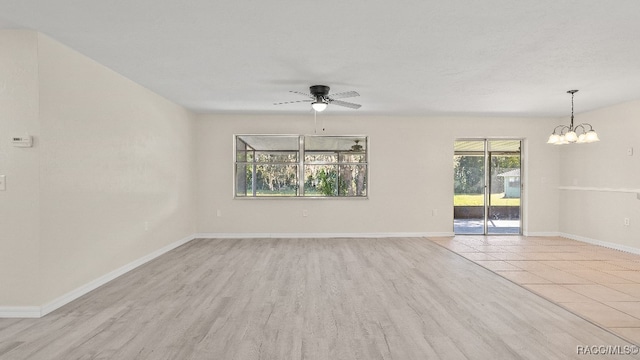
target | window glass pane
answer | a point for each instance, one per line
(271, 142)
(353, 157)
(320, 157)
(241, 156)
(321, 180)
(504, 145)
(240, 145)
(276, 180)
(335, 143)
(244, 178)
(276, 157)
(469, 145)
(353, 180)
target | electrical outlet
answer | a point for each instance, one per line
(630, 151)
(626, 221)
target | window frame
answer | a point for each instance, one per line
(301, 164)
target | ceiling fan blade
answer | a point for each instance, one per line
(303, 94)
(345, 104)
(342, 95)
(291, 102)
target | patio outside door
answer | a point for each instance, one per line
(487, 186)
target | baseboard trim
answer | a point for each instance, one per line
(606, 244)
(19, 312)
(94, 284)
(318, 235)
(542, 233)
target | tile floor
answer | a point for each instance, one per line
(594, 282)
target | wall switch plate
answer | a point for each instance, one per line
(3, 183)
(218, 213)
(630, 151)
(305, 213)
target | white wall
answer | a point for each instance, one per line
(116, 174)
(19, 220)
(588, 212)
(110, 180)
(411, 173)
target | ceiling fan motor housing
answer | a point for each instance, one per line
(319, 91)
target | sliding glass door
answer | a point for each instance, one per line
(469, 187)
(487, 186)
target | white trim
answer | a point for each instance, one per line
(585, 188)
(587, 240)
(92, 285)
(19, 312)
(606, 244)
(318, 235)
(541, 233)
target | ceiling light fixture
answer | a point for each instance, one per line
(319, 105)
(569, 134)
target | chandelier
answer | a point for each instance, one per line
(563, 134)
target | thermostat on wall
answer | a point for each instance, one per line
(22, 141)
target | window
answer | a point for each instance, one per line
(301, 166)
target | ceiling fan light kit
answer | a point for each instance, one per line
(563, 134)
(319, 105)
(320, 98)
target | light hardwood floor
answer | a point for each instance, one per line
(398, 298)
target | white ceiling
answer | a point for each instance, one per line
(423, 57)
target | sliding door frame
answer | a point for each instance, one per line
(487, 180)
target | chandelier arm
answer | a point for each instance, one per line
(589, 125)
(559, 126)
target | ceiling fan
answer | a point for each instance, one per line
(319, 98)
(356, 147)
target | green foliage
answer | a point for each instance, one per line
(329, 184)
(468, 174)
